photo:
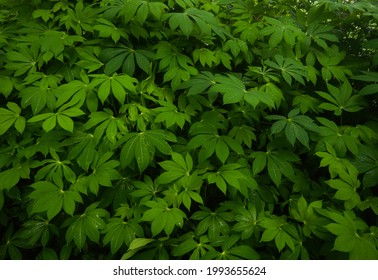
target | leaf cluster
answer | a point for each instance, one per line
(188, 129)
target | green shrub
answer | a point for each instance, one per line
(188, 129)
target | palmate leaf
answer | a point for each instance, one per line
(347, 227)
(118, 85)
(38, 229)
(178, 67)
(82, 147)
(46, 15)
(278, 229)
(367, 162)
(171, 117)
(145, 189)
(339, 140)
(125, 58)
(346, 190)
(163, 217)
(295, 127)
(138, 10)
(306, 103)
(51, 199)
(86, 225)
(330, 60)
(236, 46)
(52, 45)
(141, 147)
(192, 187)
(185, 247)
(230, 175)
(232, 88)
(176, 168)
(119, 232)
(231, 251)
(55, 169)
(274, 170)
(105, 122)
(273, 92)
(306, 214)
(25, 59)
(138, 243)
(108, 29)
(62, 117)
(246, 221)
(181, 20)
(177, 76)
(10, 177)
(170, 57)
(72, 94)
(282, 29)
(81, 18)
(200, 83)
(104, 171)
(336, 166)
(89, 58)
(211, 143)
(255, 96)
(37, 97)
(215, 223)
(205, 56)
(278, 163)
(11, 117)
(341, 99)
(205, 21)
(321, 33)
(289, 67)
(201, 248)
(243, 135)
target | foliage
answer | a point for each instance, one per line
(188, 129)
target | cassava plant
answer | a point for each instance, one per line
(188, 129)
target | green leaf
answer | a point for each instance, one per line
(346, 191)
(65, 122)
(125, 58)
(119, 232)
(108, 29)
(51, 199)
(10, 117)
(138, 243)
(259, 162)
(86, 225)
(215, 223)
(269, 235)
(232, 88)
(49, 124)
(222, 151)
(185, 247)
(7, 86)
(10, 177)
(142, 154)
(274, 171)
(140, 146)
(244, 251)
(364, 249)
(181, 20)
(163, 217)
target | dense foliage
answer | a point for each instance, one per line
(229, 129)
